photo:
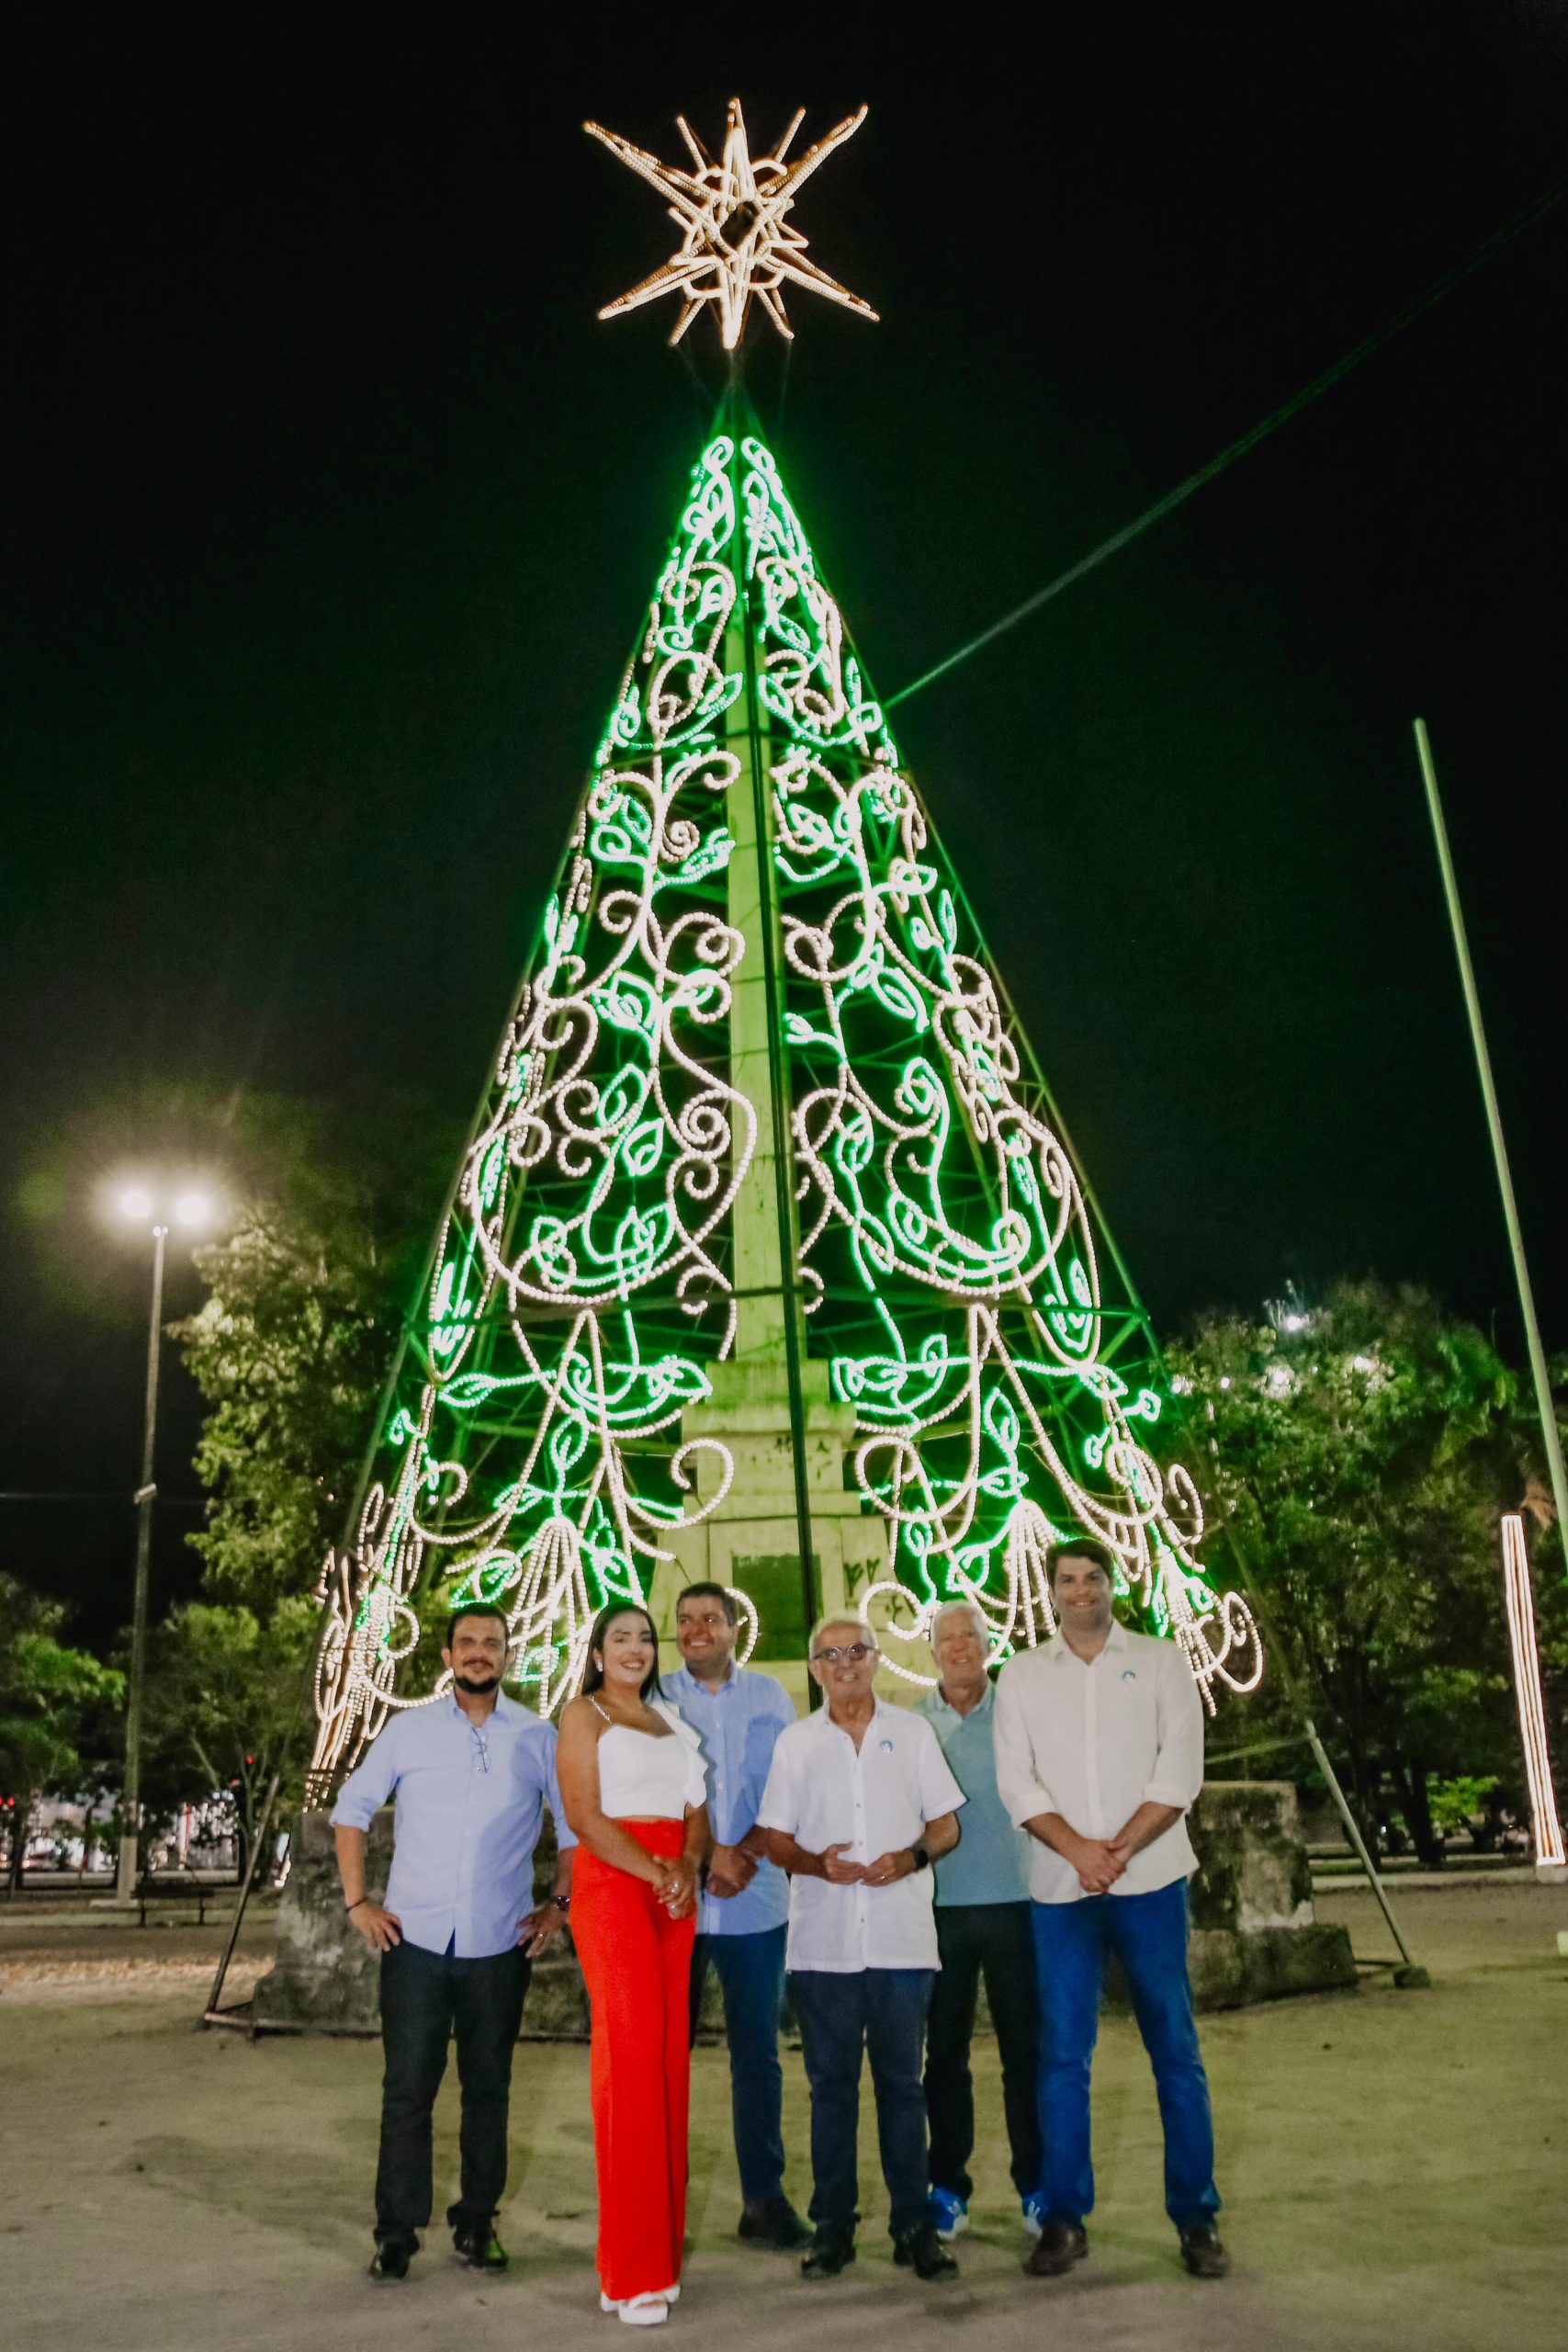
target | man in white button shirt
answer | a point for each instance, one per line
(1099, 1754)
(859, 1803)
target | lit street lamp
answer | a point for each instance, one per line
(192, 1210)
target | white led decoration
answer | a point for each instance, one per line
(737, 243)
(1546, 1829)
(986, 1396)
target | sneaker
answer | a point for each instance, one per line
(775, 2224)
(949, 2213)
(1204, 2254)
(476, 2243)
(1058, 2246)
(832, 2249)
(922, 2251)
(1034, 2216)
(391, 2260)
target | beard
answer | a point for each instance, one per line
(477, 1685)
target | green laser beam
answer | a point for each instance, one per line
(1227, 456)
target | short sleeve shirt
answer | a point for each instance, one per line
(823, 1792)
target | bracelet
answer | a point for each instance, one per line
(358, 1900)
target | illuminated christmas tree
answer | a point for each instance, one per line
(766, 1260)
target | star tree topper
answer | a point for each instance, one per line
(735, 241)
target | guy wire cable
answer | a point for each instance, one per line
(1249, 441)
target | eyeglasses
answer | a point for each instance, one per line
(483, 1744)
(853, 1654)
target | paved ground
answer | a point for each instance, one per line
(1396, 2169)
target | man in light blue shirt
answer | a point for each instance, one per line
(742, 1922)
(471, 1772)
(983, 1930)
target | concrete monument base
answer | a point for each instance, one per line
(1254, 1935)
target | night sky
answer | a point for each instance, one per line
(331, 509)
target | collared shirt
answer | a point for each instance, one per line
(824, 1792)
(468, 1800)
(990, 1862)
(739, 1725)
(1094, 1742)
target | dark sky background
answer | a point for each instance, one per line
(331, 510)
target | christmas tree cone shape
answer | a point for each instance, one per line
(766, 1261)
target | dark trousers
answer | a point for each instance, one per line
(992, 1941)
(1148, 1935)
(426, 1996)
(751, 1971)
(882, 2012)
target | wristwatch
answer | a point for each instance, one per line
(922, 1860)
(561, 1902)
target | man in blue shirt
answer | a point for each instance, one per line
(471, 1772)
(983, 1930)
(745, 1904)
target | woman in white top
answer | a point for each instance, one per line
(633, 1788)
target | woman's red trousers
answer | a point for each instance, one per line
(637, 1962)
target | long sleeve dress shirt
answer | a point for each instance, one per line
(739, 1725)
(1094, 1742)
(874, 1800)
(468, 1803)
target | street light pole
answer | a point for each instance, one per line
(131, 1812)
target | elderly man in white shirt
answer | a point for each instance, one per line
(859, 1803)
(1099, 1754)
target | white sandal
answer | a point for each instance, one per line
(650, 2310)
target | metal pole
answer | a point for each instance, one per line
(1499, 1149)
(212, 2012)
(146, 1495)
(1412, 1977)
(778, 1110)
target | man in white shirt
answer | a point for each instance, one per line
(1099, 1754)
(859, 1804)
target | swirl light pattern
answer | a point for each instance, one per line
(1003, 1389)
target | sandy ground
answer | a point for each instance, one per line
(1394, 2168)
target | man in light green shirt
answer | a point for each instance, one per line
(983, 1931)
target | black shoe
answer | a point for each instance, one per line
(1204, 2256)
(776, 2223)
(392, 2258)
(476, 2243)
(922, 2251)
(1058, 2246)
(831, 2250)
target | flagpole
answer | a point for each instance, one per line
(1499, 1149)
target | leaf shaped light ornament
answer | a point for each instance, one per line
(736, 243)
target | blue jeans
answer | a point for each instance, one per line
(751, 1971)
(882, 2012)
(1148, 1935)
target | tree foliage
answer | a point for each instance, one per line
(57, 1709)
(308, 1286)
(1362, 1452)
(224, 1705)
